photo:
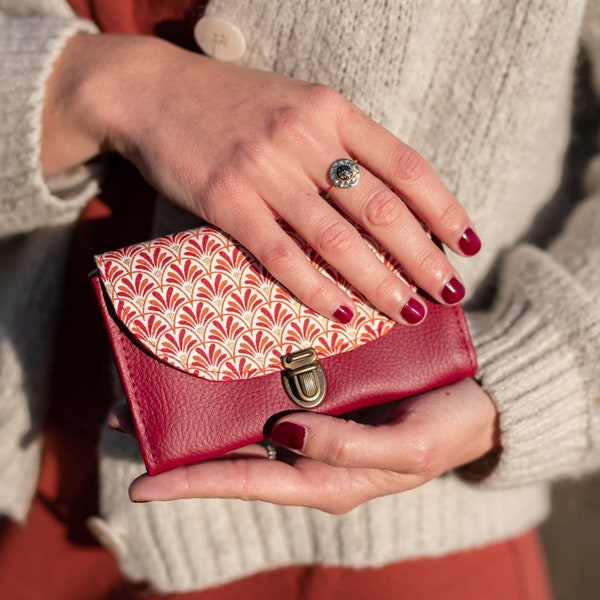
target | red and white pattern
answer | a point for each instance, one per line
(200, 302)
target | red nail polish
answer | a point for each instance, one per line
(289, 434)
(453, 291)
(343, 314)
(413, 312)
(469, 243)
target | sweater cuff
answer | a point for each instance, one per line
(29, 49)
(533, 350)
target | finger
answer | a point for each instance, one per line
(424, 435)
(339, 243)
(305, 483)
(120, 419)
(387, 218)
(412, 178)
(263, 236)
(347, 444)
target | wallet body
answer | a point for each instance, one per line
(202, 373)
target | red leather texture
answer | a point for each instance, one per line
(182, 419)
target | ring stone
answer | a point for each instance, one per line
(344, 173)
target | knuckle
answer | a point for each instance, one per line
(277, 256)
(337, 452)
(291, 126)
(322, 96)
(334, 238)
(251, 154)
(222, 182)
(340, 450)
(289, 121)
(185, 488)
(450, 215)
(222, 194)
(243, 476)
(428, 262)
(342, 496)
(346, 493)
(314, 293)
(409, 165)
(298, 121)
(418, 459)
(340, 507)
(386, 287)
(383, 209)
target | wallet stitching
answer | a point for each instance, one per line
(128, 356)
(140, 418)
(466, 338)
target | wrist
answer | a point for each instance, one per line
(89, 96)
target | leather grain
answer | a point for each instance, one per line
(181, 418)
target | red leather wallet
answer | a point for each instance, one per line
(211, 349)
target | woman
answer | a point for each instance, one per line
(485, 95)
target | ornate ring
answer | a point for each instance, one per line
(271, 452)
(344, 173)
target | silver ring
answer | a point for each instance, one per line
(271, 452)
(344, 173)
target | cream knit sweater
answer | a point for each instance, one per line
(481, 89)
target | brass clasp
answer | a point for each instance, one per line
(303, 378)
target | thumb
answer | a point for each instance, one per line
(345, 443)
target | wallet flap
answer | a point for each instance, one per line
(201, 303)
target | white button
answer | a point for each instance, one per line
(106, 536)
(219, 38)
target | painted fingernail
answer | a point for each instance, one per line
(289, 434)
(469, 243)
(453, 292)
(343, 314)
(413, 312)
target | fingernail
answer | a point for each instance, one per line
(413, 312)
(114, 424)
(453, 292)
(343, 314)
(289, 434)
(469, 243)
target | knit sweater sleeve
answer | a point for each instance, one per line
(539, 346)
(29, 47)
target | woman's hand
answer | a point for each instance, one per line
(246, 149)
(339, 464)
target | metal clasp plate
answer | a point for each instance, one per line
(303, 379)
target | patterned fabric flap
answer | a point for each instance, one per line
(200, 302)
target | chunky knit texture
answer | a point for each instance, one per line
(34, 230)
(485, 95)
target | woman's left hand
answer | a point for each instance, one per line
(338, 464)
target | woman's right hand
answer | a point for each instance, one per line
(245, 150)
(337, 464)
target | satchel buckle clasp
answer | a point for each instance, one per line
(303, 378)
